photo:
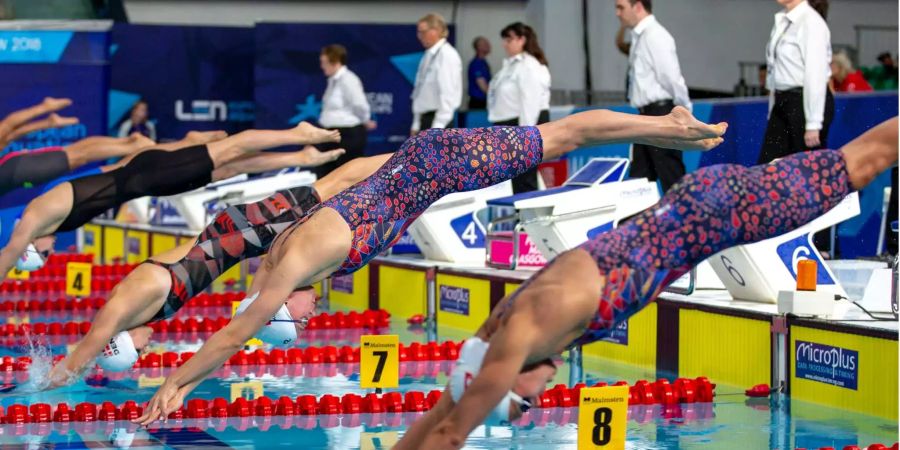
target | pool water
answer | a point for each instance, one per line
(733, 421)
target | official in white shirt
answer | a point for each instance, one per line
(655, 87)
(519, 94)
(801, 105)
(437, 93)
(344, 107)
(798, 56)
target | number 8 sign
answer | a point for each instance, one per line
(602, 415)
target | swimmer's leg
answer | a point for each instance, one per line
(98, 148)
(52, 121)
(22, 116)
(252, 141)
(263, 162)
(678, 130)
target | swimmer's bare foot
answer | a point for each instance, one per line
(204, 137)
(310, 134)
(871, 153)
(139, 141)
(57, 121)
(312, 157)
(691, 133)
(55, 104)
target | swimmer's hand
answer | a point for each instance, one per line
(689, 133)
(59, 376)
(168, 398)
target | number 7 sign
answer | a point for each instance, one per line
(379, 361)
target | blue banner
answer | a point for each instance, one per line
(193, 78)
(826, 364)
(69, 64)
(290, 84)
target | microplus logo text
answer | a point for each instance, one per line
(826, 364)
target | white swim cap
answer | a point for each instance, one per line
(30, 260)
(119, 354)
(279, 331)
(471, 355)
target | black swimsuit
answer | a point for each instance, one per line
(152, 172)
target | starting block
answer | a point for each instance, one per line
(591, 202)
(451, 229)
(756, 272)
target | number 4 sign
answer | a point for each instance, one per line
(78, 279)
(602, 415)
(379, 361)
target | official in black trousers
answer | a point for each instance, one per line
(801, 105)
(344, 108)
(655, 86)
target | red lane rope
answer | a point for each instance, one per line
(559, 396)
(323, 321)
(432, 351)
(92, 304)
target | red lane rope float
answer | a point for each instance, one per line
(432, 351)
(896, 446)
(539, 417)
(204, 300)
(323, 321)
(304, 405)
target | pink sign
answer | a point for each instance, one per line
(529, 255)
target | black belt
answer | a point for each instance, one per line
(796, 90)
(660, 104)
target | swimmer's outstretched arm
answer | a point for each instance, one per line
(310, 253)
(41, 217)
(219, 347)
(132, 304)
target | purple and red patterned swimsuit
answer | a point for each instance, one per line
(427, 167)
(708, 211)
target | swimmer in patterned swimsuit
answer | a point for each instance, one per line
(582, 295)
(158, 288)
(345, 232)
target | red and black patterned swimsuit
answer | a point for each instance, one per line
(240, 232)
